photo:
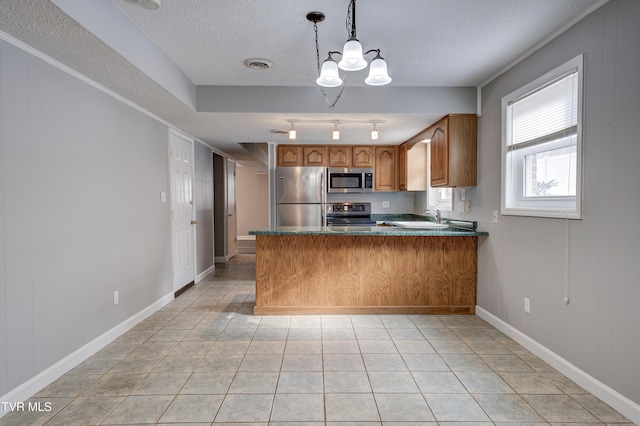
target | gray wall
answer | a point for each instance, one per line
(252, 195)
(203, 199)
(80, 214)
(525, 257)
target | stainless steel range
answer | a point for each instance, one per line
(349, 214)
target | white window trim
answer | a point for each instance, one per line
(557, 206)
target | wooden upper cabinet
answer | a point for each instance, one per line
(402, 167)
(412, 167)
(440, 153)
(302, 155)
(314, 155)
(339, 156)
(290, 155)
(385, 168)
(362, 156)
(454, 151)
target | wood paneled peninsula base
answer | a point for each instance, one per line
(365, 274)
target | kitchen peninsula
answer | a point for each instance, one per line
(365, 270)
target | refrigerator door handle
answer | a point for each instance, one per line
(323, 196)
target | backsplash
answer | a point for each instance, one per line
(399, 202)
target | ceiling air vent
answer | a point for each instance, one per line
(258, 63)
(150, 4)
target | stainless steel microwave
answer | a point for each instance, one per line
(349, 180)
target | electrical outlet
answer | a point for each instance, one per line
(163, 197)
(385, 204)
(527, 305)
(467, 206)
(116, 297)
(495, 216)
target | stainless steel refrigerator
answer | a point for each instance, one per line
(300, 196)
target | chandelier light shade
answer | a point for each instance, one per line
(329, 76)
(378, 75)
(352, 58)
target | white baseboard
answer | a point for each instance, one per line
(51, 374)
(617, 401)
(206, 273)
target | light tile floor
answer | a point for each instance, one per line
(204, 358)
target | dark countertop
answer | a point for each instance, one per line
(466, 228)
(367, 230)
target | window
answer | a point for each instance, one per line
(541, 145)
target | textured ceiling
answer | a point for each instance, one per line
(426, 43)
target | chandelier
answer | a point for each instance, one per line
(352, 58)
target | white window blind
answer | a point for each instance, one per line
(548, 113)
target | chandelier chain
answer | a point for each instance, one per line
(324, 94)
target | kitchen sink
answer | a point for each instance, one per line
(419, 224)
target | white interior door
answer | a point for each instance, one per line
(232, 227)
(182, 216)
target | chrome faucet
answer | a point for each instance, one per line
(435, 213)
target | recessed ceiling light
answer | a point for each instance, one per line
(258, 63)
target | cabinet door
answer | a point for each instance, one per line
(385, 168)
(416, 163)
(289, 155)
(314, 156)
(440, 154)
(402, 167)
(362, 156)
(339, 156)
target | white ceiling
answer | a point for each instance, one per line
(427, 43)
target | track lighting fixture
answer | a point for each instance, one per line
(292, 132)
(335, 135)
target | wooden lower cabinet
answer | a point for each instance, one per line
(342, 274)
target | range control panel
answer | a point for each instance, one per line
(349, 209)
